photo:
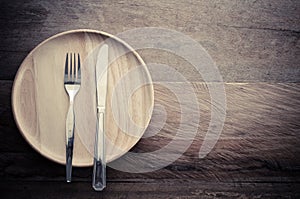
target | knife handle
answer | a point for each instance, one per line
(69, 141)
(99, 175)
(99, 171)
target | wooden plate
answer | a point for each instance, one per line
(40, 101)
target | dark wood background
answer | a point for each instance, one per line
(255, 44)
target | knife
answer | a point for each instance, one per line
(99, 171)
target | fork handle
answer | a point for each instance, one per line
(69, 141)
(99, 171)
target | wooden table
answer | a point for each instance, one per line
(255, 45)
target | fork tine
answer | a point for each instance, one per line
(78, 72)
(75, 66)
(72, 67)
(67, 66)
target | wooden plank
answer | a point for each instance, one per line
(257, 110)
(249, 40)
(259, 142)
(236, 63)
(157, 190)
(277, 15)
(230, 161)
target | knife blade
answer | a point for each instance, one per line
(99, 171)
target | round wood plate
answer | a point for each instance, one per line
(40, 101)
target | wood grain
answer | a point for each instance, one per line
(40, 101)
(156, 190)
(249, 40)
(257, 155)
(256, 145)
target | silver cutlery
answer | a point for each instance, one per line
(72, 80)
(99, 171)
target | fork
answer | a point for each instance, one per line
(72, 80)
